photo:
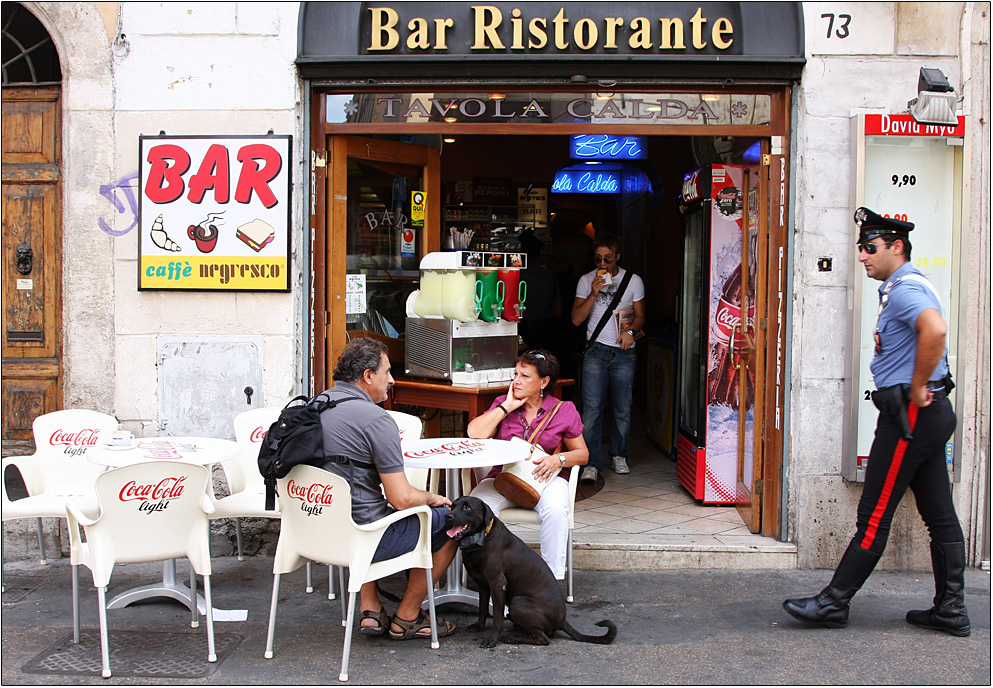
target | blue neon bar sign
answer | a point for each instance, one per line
(607, 147)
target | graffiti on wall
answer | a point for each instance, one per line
(125, 186)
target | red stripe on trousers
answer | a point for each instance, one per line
(887, 491)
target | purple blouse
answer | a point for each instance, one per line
(566, 423)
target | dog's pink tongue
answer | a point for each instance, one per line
(454, 531)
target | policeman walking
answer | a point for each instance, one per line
(910, 370)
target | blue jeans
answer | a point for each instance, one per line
(607, 369)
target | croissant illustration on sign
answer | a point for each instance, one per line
(160, 238)
(256, 234)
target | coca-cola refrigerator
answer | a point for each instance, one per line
(708, 397)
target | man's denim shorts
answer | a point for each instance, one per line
(401, 537)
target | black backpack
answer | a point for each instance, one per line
(296, 437)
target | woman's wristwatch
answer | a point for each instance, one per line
(562, 459)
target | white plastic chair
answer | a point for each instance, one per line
(522, 516)
(58, 469)
(412, 428)
(317, 525)
(247, 498)
(146, 512)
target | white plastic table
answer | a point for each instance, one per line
(452, 455)
(201, 451)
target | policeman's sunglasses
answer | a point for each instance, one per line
(871, 248)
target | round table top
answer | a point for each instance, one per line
(200, 451)
(462, 452)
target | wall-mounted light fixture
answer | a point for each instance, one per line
(935, 101)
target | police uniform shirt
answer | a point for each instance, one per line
(896, 327)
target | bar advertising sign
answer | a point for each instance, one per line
(214, 213)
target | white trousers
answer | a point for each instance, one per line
(553, 516)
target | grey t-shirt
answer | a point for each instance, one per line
(361, 430)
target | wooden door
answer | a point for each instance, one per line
(32, 260)
(356, 223)
(748, 343)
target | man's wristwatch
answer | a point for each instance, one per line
(630, 332)
(562, 459)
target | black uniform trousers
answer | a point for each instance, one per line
(896, 464)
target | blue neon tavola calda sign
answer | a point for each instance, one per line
(593, 178)
(606, 147)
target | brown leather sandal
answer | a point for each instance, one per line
(380, 628)
(419, 628)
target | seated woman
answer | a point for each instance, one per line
(519, 414)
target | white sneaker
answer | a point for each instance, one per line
(589, 475)
(620, 465)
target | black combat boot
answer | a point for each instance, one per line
(948, 613)
(830, 607)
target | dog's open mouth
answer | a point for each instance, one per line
(457, 532)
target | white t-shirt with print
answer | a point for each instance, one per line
(635, 291)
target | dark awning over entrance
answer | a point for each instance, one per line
(504, 41)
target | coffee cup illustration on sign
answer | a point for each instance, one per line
(205, 234)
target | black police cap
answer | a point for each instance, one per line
(872, 225)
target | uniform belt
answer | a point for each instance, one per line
(936, 385)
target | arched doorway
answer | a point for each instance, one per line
(32, 211)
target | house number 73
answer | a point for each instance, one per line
(842, 30)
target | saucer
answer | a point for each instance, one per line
(118, 447)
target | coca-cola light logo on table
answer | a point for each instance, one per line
(313, 498)
(74, 443)
(153, 497)
(456, 448)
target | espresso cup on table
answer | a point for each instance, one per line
(121, 438)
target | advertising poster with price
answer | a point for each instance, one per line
(910, 174)
(214, 213)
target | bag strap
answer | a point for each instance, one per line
(610, 309)
(536, 433)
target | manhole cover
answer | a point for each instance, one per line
(135, 653)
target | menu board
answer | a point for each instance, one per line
(910, 172)
(214, 213)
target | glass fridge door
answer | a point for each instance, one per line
(692, 335)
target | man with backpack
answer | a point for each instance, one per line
(366, 434)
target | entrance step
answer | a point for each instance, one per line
(622, 552)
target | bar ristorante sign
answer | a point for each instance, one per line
(550, 39)
(494, 29)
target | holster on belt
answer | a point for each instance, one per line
(894, 401)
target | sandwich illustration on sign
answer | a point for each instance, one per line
(256, 234)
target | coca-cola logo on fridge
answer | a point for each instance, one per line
(313, 497)
(75, 442)
(691, 188)
(728, 202)
(153, 497)
(727, 317)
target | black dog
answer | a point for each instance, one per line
(509, 571)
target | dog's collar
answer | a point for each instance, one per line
(474, 542)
